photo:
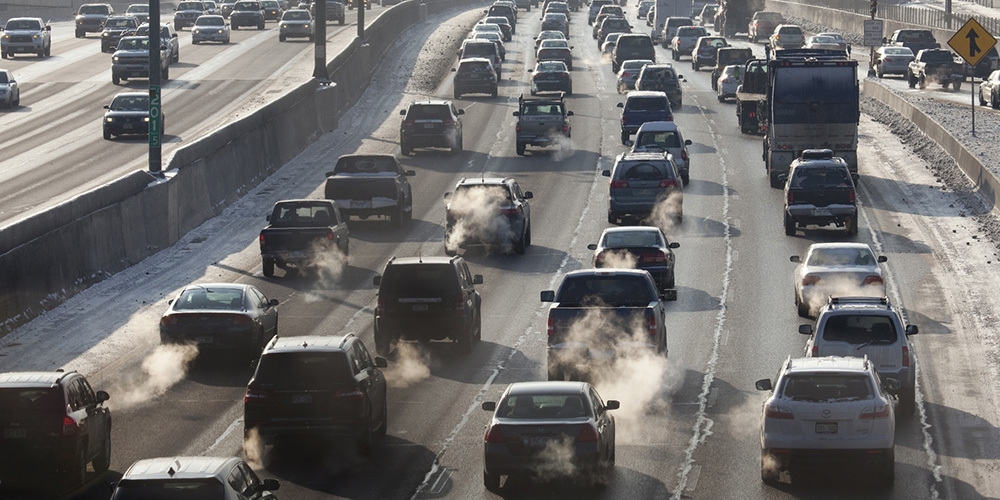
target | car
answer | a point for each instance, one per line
(371, 185)
(870, 327)
(643, 9)
(167, 36)
(726, 56)
(827, 410)
(210, 28)
(551, 76)
(496, 38)
(989, 90)
(611, 10)
(549, 35)
(644, 185)
(52, 421)
(505, 27)
(705, 51)
(334, 11)
(665, 137)
(787, 36)
(247, 13)
(891, 60)
(557, 7)
(131, 60)
(488, 211)
(707, 15)
(762, 24)
(296, 23)
(313, 388)
(128, 113)
(643, 106)
(661, 78)
(489, 28)
(26, 35)
(114, 29)
(510, 12)
(597, 25)
(558, 22)
(819, 190)
(819, 42)
(211, 8)
(610, 25)
(140, 11)
(643, 247)
(91, 17)
(531, 417)
(628, 73)
(595, 8)
(226, 7)
(304, 235)
(837, 269)
(609, 43)
(842, 43)
(563, 54)
(187, 13)
(670, 28)
(10, 92)
(221, 317)
(684, 41)
(631, 46)
(729, 81)
(542, 122)
(431, 124)
(427, 298)
(272, 10)
(481, 49)
(475, 75)
(182, 478)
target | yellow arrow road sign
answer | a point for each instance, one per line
(972, 41)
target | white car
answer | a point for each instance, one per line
(820, 42)
(729, 80)
(836, 269)
(10, 93)
(210, 28)
(827, 410)
(664, 137)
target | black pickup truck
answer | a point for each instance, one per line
(371, 185)
(915, 40)
(301, 233)
(819, 190)
(935, 65)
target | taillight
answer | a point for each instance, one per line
(810, 279)
(240, 319)
(254, 394)
(550, 326)
(872, 280)
(887, 59)
(459, 305)
(853, 196)
(656, 257)
(906, 357)
(168, 320)
(791, 198)
(565, 128)
(684, 154)
(509, 211)
(878, 412)
(815, 352)
(668, 183)
(261, 239)
(619, 184)
(494, 435)
(447, 122)
(651, 323)
(69, 427)
(517, 128)
(408, 122)
(599, 260)
(774, 411)
(329, 235)
(588, 434)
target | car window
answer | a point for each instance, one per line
(250, 476)
(626, 239)
(820, 178)
(473, 68)
(87, 397)
(117, 23)
(537, 406)
(130, 103)
(239, 483)
(860, 329)
(134, 44)
(643, 172)
(646, 104)
(23, 24)
(93, 9)
(598, 402)
(429, 112)
(609, 290)
(542, 109)
(304, 370)
(365, 355)
(365, 164)
(73, 397)
(210, 298)
(31, 401)
(425, 280)
(841, 257)
(827, 387)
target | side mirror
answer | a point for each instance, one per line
(548, 296)
(796, 259)
(882, 258)
(669, 295)
(489, 405)
(48, 28)
(606, 173)
(267, 217)
(782, 178)
(621, 105)
(410, 173)
(106, 106)
(102, 396)
(674, 245)
(452, 70)
(270, 485)
(629, 142)
(516, 113)
(612, 404)
(531, 70)
(381, 362)
(461, 111)
(477, 279)
(377, 280)
(174, 35)
(687, 142)
(806, 329)
(569, 113)
(884, 40)
(272, 302)
(592, 246)
(402, 112)
(571, 47)
(891, 385)
(763, 384)
(912, 330)
(528, 195)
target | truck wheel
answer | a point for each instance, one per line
(775, 183)
(281, 38)
(911, 80)
(405, 148)
(852, 225)
(878, 71)
(625, 136)
(520, 148)
(383, 344)
(115, 79)
(268, 268)
(982, 102)
(922, 82)
(957, 85)
(995, 101)
(789, 225)
(397, 218)
(165, 74)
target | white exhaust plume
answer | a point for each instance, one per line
(620, 259)
(832, 285)
(253, 448)
(478, 218)
(410, 366)
(564, 147)
(167, 365)
(667, 213)
(555, 461)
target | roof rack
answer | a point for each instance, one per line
(808, 54)
(878, 301)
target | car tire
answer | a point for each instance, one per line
(995, 101)
(165, 74)
(405, 148)
(281, 38)
(982, 102)
(803, 309)
(789, 225)
(268, 268)
(694, 64)
(341, 21)
(770, 473)
(625, 136)
(911, 80)
(457, 148)
(103, 460)
(612, 219)
(107, 135)
(520, 148)
(464, 340)
(922, 82)
(364, 442)
(260, 26)
(519, 245)
(908, 401)
(887, 470)
(957, 85)
(115, 79)
(491, 482)
(879, 72)
(196, 42)
(384, 428)
(80, 34)
(396, 219)
(383, 344)
(76, 473)
(775, 183)
(494, 93)
(671, 281)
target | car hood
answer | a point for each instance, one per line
(126, 114)
(131, 53)
(22, 32)
(296, 22)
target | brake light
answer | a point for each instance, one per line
(565, 128)
(509, 211)
(872, 280)
(69, 427)
(518, 128)
(879, 412)
(810, 279)
(459, 305)
(240, 319)
(791, 198)
(656, 257)
(775, 411)
(668, 183)
(888, 60)
(329, 235)
(853, 196)
(684, 154)
(168, 320)
(409, 122)
(906, 357)
(651, 323)
(599, 260)
(448, 122)
(494, 435)
(588, 434)
(261, 239)
(550, 326)
(619, 184)
(254, 394)
(815, 352)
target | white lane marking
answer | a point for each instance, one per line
(210, 451)
(703, 424)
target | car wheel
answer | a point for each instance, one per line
(341, 21)
(405, 149)
(879, 72)
(922, 82)
(384, 428)
(80, 34)
(770, 472)
(103, 460)
(520, 148)
(911, 80)
(383, 344)
(803, 309)
(670, 281)
(721, 99)
(887, 471)
(694, 65)
(457, 148)
(494, 93)
(165, 74)
(957, 85)
(982, 102)
(281, 38)
(312, 38)
(77, 469)
(107, 134)
(789, 225)
(464, 340)
(260, 26)
(612, 219)
(908, 401)
(625, 136)
(365, 440)
(115, 79)
(994, 101)
(397, 218)
(176, 56)
(195, 42)
(519, 245)
(775, 183)
(491, 481)
(48, 50)
(268, 268)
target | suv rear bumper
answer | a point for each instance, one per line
(427, 328)
(806, 457)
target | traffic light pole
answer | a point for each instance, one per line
(155, 131)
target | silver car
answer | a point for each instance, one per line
(685, 40)
(10, 93)
(629, 73)
(837, 269)
(210, 28)
(640, 182)
(730, 79)
(536, 423)
(892, 60)
(296, 23)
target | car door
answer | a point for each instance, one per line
(97, 417)
(605, 424)
(376, 379)
(268, 313)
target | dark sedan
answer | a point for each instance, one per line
(551, 76)
(637, 247)
(128, 113)
(221, 317)
(538, 423)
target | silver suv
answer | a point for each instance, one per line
(867, 326)
(170, 478)
(26, 35)
(642, 185)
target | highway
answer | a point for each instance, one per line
(688, 426)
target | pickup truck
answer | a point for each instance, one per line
(26, 35)
(915, 40)
(726, 56)
(131, 60)
(371, 185)
(751, 98)
(598, 315)
(541, 122)
(302, 233)
(819, 190)
(937, 65)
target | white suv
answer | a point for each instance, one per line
(823, 410)
(867, 326)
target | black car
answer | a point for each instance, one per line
(475, 76)
(430, 124)
(91, 18)
(272, 10)
(505, 27)
(551, 76)
(427, 298)
(53, 422)
(505, 11)
(187, 13)
(310, 388)
(128, 113)
(561, 54)
(489, 211)
(247, 13)
(221, 317)
(819, 190)
(646, 245)
(555, 22)
(114, 29)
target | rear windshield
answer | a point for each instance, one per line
(137, 9)
(657, 74)
(827, 387)
(190, 6)
(691, 32)
(821, 178)
(304, 370)
(479, 50)
(247, 6)
(230, 299)
(635, 41)
(538, 406)
(542, 109)
(301, 215)
(769, 16)
(675, 22)
(663, 140)
(296, 15)
(622, 239)
(790, 30)
(550, 66)
(642, 171)
(647, 104)
(898, 51)
(937, 56)
(173, 489)
(841, 257)
(31, 401)
(860, 329)
(118, 23)
(423, 280)
(23, 24)
(552, 52)
(474, 68)
(364, 165)
(429, 112)
(915, 36)
(614, 23)
(631, 290)
(714, 42)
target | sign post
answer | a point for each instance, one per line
(155, 156)
(873, 37)
(155, 115)
(972, 42)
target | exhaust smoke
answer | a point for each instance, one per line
(410, 366)
(167, 365)
(477, 214)
(667, 213)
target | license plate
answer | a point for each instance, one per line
(821, 212)
(360, 204)
(302, 399)
(826, 427)
(536, 441)
(205, 340)
(428, 125)
(645, 192)
(127, 126)
(15, 433)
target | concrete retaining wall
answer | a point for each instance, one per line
(57, 253)
(847, 22)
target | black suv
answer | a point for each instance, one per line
(427, 298)
(310, 387)
(475, 76)
(430, 124)
(488, 211)
(91, 17)
(247, 13)
(114, 29)
(819, 189)
(52, 422)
